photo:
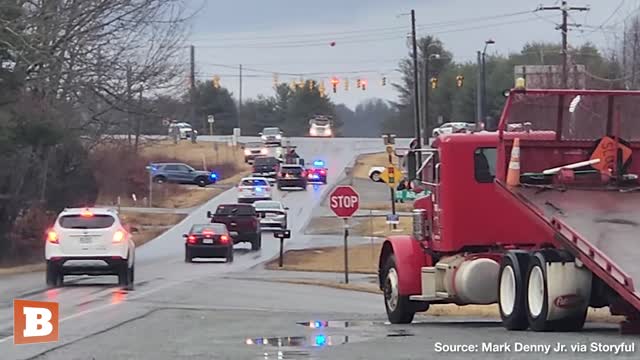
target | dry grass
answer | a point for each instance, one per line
(362, 259)
(149, 226)
(386, 206)
(367, 227)
(203, 155)
(365, 162)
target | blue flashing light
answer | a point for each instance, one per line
(317, 324)
(318, 163)
(213, 175)
(321, 340)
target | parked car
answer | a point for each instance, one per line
(292, 176)
(251, 189)
(98, 238)
(271, 135)
(452, 128)
(241, 221)
(181, 174)
(375, 172)
(208, 241)
(273, 215)
(252, 150)
(184, 129)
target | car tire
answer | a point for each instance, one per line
(201, 181)
(159, 179)
(125, 274)
(187, 255)
(230, 255)
(399, 308)
(54, 275)
(256, 244)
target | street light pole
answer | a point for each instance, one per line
(416, 99)
(483, 80)
(427, 83)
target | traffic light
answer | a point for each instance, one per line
(334, 84)
(312, 85)
(434, 82)
(346, 84)
(293, 85)
(358, 83)
(459, 81)
(321, 88)
(364, 85)
(216, 82)
(384, 81)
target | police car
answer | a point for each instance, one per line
(251, 189)
(317, 172)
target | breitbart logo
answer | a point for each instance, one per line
(35, 322)
(567, 301)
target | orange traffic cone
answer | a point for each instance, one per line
(513, 174)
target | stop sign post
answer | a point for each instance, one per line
(344, 201)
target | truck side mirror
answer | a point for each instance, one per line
(282, 234)
(209, 214)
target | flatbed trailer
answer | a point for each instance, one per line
(600, 228)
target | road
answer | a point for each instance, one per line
(218, 311)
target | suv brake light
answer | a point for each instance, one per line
(52, 237)
(118, 236)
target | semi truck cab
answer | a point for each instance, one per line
(546, 248)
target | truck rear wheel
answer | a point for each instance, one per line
(256, 244)
(399, 308)
(537, 299)
(511, 290)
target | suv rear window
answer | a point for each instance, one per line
(266, 161)
(254, 182)
(291, 170)
(240, 210)
(86, 222)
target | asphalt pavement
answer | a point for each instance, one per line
(226, 311)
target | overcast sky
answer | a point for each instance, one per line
(293, 37)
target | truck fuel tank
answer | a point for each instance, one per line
(470, 280)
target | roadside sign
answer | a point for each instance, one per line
(344, 201)
(211, 119)
(393, 219)
(391, 175)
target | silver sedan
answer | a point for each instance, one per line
(273, 215)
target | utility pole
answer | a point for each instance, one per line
(240, 101)
(192, 80)
(634, 56)
(425, 110)
(128, 105)
(479, 110)
(416, 98)
(564, 27)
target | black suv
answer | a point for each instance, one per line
(292, 176)
(266, 166)
(181, 174)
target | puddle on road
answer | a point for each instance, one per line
(317, 341)
(321, 324)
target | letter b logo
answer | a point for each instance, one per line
(34, 321)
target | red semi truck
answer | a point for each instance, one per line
(562, 240)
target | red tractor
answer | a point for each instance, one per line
(542, 220)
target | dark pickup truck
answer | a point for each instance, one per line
(242, 222)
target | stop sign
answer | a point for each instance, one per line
(344, 201)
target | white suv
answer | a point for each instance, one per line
(89, 241)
